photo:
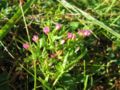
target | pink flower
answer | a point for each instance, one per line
(84, 33)
(46, 30)
(71, 35)
(26, 45)
(35, 38)
(58, 26)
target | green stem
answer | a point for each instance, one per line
(84, 68)
(35, 75)
(39, 79)
(25, 23)
(33, 56)
(85, 82)
(58, 78)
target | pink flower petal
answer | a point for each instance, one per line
(69, 35)
(84, 33)
(46, 30)
(26, 45)
(58, 26)
(35, 38)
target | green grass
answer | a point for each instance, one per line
(60, 59)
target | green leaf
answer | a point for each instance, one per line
(74, 25)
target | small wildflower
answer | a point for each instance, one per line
(26, 45)
(62, 41)
(35, 38)
(46, 30)
(58, 26)
(71, 35)
(84, 33)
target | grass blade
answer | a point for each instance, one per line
(5, 29)
(89, 17)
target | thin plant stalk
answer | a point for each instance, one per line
(34, 61)
(39, 79)
(85, 76)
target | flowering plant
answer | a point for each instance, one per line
(54, 53)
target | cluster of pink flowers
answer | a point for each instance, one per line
(35, 38)
(46, 30)
(84, 33)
